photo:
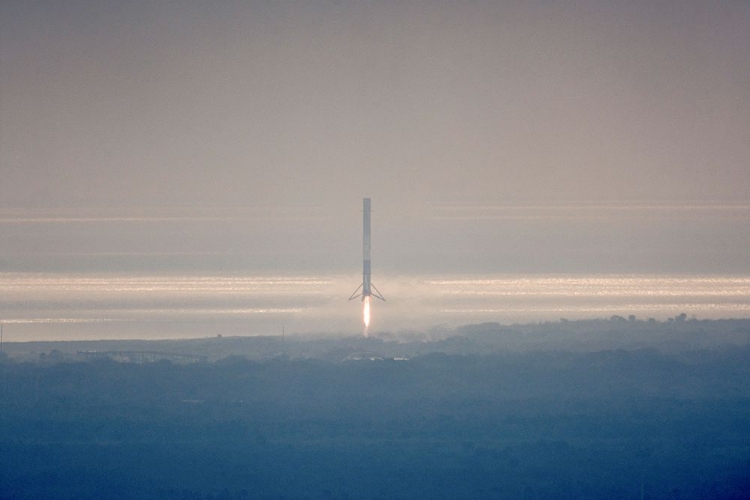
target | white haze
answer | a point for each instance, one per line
(320, 103)
(62, 306)
(236, 139)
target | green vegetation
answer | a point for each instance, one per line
(536, 424)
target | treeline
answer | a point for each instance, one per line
(608, 424)
(676, 336)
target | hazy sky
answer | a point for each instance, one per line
(316, 104)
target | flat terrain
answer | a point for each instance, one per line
(485, 412)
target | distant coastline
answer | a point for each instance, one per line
(676, 335)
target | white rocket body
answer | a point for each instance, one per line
(366, 288)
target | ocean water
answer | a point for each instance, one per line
(71, 306)
(91, 273)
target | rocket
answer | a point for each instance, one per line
(367, 288)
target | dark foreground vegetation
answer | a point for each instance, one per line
(614, 423)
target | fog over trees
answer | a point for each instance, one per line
(590, 409)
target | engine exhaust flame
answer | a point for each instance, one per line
(366, 311)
